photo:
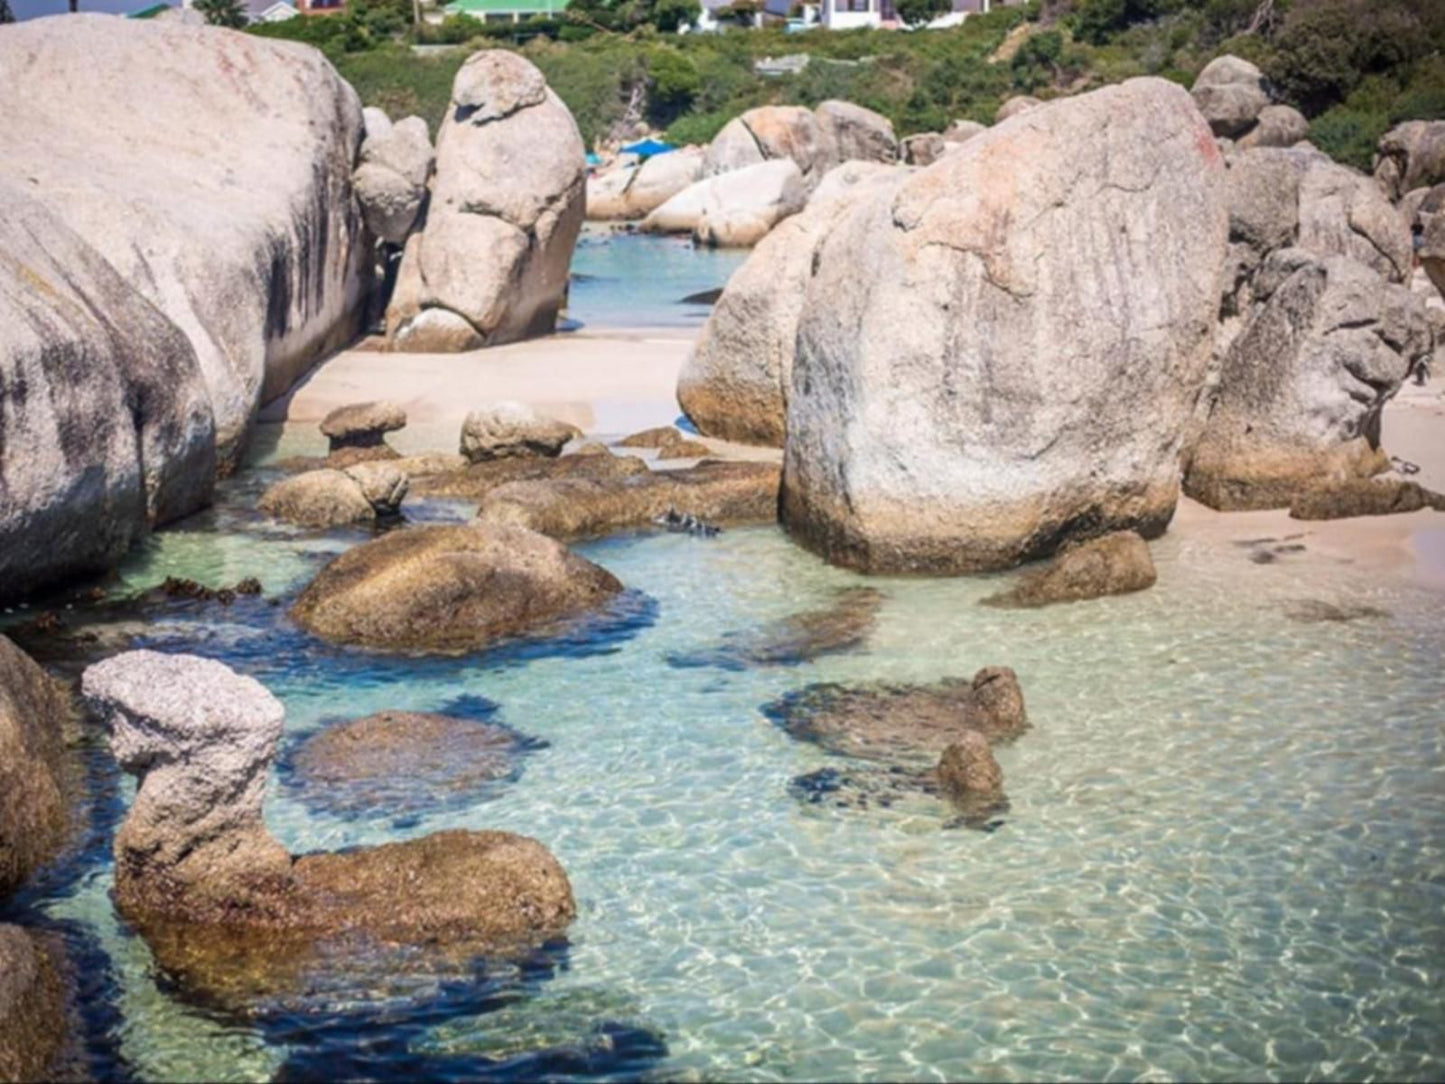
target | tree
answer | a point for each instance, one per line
(223, 12)
(6, 15)
(919, 12)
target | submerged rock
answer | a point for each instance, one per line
(841, 626)
(507, 429)
(975, 399)
(1313, 611)
(1116, 564)
(903, 723)
(450, 589)
(970, 776)
(1363, 497)
(318, 499)
(510, 182)
(224, 907)
(581, 506)
(399, 762)
(32, 1006)
(362, 425)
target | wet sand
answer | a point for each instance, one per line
(613, 382)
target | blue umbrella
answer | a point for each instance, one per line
(647, 148)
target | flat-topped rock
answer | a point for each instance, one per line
(1115, 564)
(362, 425)
(1363, 497)
(580, 506)
(903, 723)
(451, 589)
(509, 429)
(476, 480)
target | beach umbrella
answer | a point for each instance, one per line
(647, 148)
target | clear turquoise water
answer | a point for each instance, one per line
(1223, 859)
(639, 280)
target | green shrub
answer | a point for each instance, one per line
(697, 127)
(1349, 135)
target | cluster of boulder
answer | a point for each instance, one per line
(759, 170)
(952, 394)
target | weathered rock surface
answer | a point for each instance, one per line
(844, 624)
(904, 723)
(1020, 103)
(766, 134)
(655, 437)
(1231, 93)
(923, 148)
(32, 1006)
(450, 589)
(1411, 155)
(974, 401)
(577, 507)
(237, 223)
(961, 131)
(383, 483)
(1302, 386)
(399, 762)
(510, 183)
(318, 499)
(170, 260)
(1429, 220)
(475, 481)
(969, 774)
(196, 866)
(362, 425)
(391, 179)
(1362, 497)
(738, 209)
(852, 133)
(1276, 126)
(636, 192)
(33, 714)
(507, 429)
(734, 385)
(1116, 564)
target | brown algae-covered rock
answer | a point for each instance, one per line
(843, 624)
(1363, 497)
(32, 1006)
(1116, 564)
(34, 711)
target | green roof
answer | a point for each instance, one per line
(150, 12)
(505, 7)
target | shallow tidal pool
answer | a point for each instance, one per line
(1223, 858)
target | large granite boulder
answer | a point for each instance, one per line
(1019, 103)
(923, 148)
(510, 183)
(32, 1006)
(33, 714)
(1231, 93)
(1018, 364)
(391, 179)
(736, 208)
(852, 133)
(1429, 221)
(767, 133)
(508, 429)
(1276, 126)
(451, 589)
(1116, 564)
(961, 131)
(636, 192)
(169, 261)
(734, 384)
(1411, 155)
(1302, 386)
(235, 219)
(215, 894)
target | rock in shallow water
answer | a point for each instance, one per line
(903, 722)
(401, 762)
(1363, 497)
(33, 713)
(475, 481)
(451, 589)
(224, 907)
(318, 499)
(32, 1006)
(507, 429)
(841, 626)
(1116, 564)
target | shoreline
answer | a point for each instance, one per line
(613, 381)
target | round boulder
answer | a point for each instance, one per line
(508, 429)
(450, 589)
(383, 484)
(318, 499)
(1231, 94)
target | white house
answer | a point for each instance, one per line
(853, 14)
